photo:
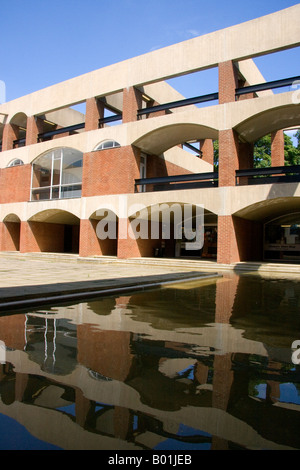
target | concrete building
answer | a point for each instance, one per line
(66, 168)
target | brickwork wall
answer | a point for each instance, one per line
(41, 237)
(207, 148)
(132, 101)
(34, 127)
(228, 81)
(225, 295)
(12, 331)
(228, 157)
(94, 111)
(110, 171)
(96, 349)
(10, 133)
(9, 236)
(15, 184)
(239, 240)
(90, 244)
(277, 148)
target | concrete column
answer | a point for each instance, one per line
(94, 112)
(228, 81)
(132, 101)
(277, 148)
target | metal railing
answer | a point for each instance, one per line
(270, 175)
(267, 86)
(171, 183)
(178, 104)
(107, 120)
(68, 129)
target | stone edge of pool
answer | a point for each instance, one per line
(62, 293)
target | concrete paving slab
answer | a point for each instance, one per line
(28, 280)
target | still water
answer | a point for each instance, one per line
(199, 366)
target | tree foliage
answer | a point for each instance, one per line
(262, 151)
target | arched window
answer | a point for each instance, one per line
(107, 144)
(57, 175)
(15, 162)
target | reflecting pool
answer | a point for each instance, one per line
(200, 366)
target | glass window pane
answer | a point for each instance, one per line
(56, 172)
(71, 191)
(40, 194)
(55, 169)
(55, 192)
(72, 167)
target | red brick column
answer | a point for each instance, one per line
(226, 290)
(227, 246)
(246, 151)
(127, 247)
(132, 101)
(239, 240)
(9, 236)
(228, 157)
(228, 81)
(277, 148)
(34, 127)
(10, 133)
(94, 112)
(207, 149)
(91, 245)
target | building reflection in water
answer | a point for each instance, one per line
(191, 367)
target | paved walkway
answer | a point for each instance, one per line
(35, 278)
(28, 279)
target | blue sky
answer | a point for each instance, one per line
(45, 42)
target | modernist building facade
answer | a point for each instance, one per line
(64, 170)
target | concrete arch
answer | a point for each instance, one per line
(209, 198)
(11, 217)
(19, 119)
(12, 214)
(268, 209)
(174, 229)
(52, 230)
(164, 137)
(55, 216)
(270, 120)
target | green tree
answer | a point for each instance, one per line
(262, 152)
(291, 153)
